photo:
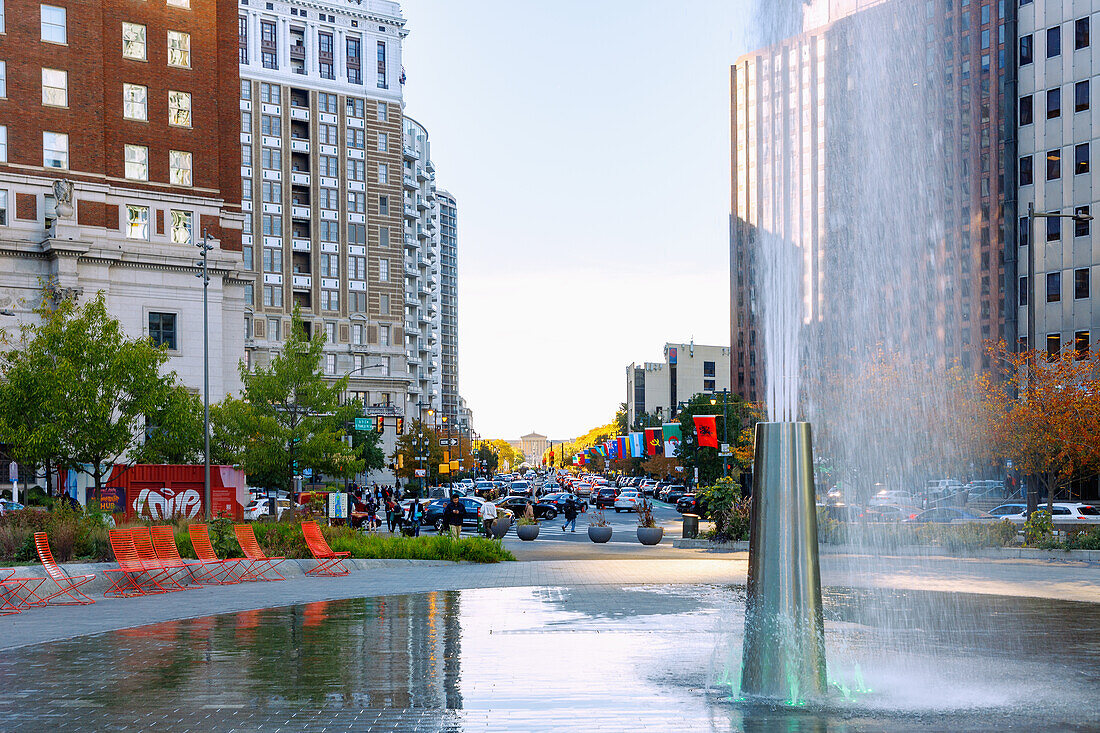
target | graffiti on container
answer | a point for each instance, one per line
(166, 503)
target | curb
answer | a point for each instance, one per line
(987, 553)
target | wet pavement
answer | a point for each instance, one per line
(595, 657)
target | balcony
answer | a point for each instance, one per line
(299, 179)
(421, 174)
(300, 212)
(410, 299)
(430, 166)
(422, 203)
(299, 113)
(302, 282)
(410, 241)
(410, 151)
(299, 146)
(410, 267)
(299, 244)
(410, 211)
(410, 182)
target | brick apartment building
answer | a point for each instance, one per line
(119, 147)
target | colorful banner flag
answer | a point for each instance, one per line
(654, 445)
(637, 445)
(706, 430)
(672, 435)
(613, 449)
(600, 450)
(624, 449)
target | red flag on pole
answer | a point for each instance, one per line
(706, 430)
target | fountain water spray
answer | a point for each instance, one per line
(784, 652)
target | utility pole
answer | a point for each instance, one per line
(204, 248)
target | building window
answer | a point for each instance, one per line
(383, 142)
(357, 169)
(271, 125)
(1054, 228)
(179, 167)
(330, 363)
(55, 150)
(3, 207)
(382, 84)
(181, 227)
(381, 111)
(384, 205)
(250, 298)
(708, 385)
(135, 102)
(1081, 96)
(384, 335)
(1054, 346)
(708, 368)
(383, 173)
(1054, 102)
(137, 163)
(1054, 41)
(268, 55)
(55, 88)
(1080, 159)
(1025, 50)
(325, 56)
(246, 89)
(357, 332)
(383, 236)
(162, 330)
(1081, 33)
(273, 298)
(1054, 287)
(383, 271)
(2, 27)
(1025, 110)
(384, 305)
(274, 328)
(1081, 283)
(273, 259)
(53, 24)
(1021, 296)
(271, 93)
(246, 122)
(1081, 226)
(179, 49)
(1081, 344)
(3, 79)
(354, 108)
(326, 103)
(137, 222)
(271, 192)
(133, 41)
(1025, 171)
(179, 109)
(1054, 164)
(355, 75)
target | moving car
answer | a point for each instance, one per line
(519, 488)
(944, 515)
(691, 504)
(471, 505)
(518, 505)
(627, 500)
(558, 500)
(605, 498)
(673, 494)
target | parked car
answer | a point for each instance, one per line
(674, 493)
(944, 515)
(518, 506)
(11, 506)
(692, 504)
(893, 497)
(627, 500)
(605, 498)
(262, 508)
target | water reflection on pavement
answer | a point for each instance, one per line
(571, 658)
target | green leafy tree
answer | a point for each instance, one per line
(419, 440)
(487, 458)
(173, 432)
(706, 459)
(289, 417)
(77, 390)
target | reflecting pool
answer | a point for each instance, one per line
(571, 658)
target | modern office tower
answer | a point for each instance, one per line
(814, 172)
(321, 134)
(448, 301)
(118, 151)
(658, 388)
(421, 241)
(1056, 129)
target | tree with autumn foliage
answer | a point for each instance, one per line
(1043, 413)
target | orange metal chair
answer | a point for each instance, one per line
(66, 583)
(143, 543)
(258, 562)
(133, 576)
(164, 544)
(328, 562)
(215, 569)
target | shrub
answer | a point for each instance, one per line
(1087, 540)
(1038, 529)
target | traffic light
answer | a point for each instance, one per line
(400, 425)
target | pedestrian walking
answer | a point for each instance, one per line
(488, 517)
(570, 510)
(415, 513)
(372, 512)
(393, 514)
(452, 516)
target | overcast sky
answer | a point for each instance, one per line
(587, 144)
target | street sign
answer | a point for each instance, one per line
(307, 472)
(420, 472)
(364, 423)
(13, 472)
(449, 441)
(725, 449)
(725, 453)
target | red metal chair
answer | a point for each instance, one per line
(133, 576)
(258, 562)
(164, 544)
(9, 602)
(143, 543)
(66, 583)
(328, 562)
(20, 592)
(220, 572)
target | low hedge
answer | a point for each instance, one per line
(75, 535)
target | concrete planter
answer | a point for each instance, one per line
(501, 527)
(650, 535)
(527, 532)
(599, 534)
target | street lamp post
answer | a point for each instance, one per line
(204, 248)
(725, 430)
(1032, 313)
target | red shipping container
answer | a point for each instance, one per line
(154, 491)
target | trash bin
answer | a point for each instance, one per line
(691, 527)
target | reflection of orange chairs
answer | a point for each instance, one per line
(314, 613)
(328, 562)
(259, 563)
(220, 572)
(67, 584)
